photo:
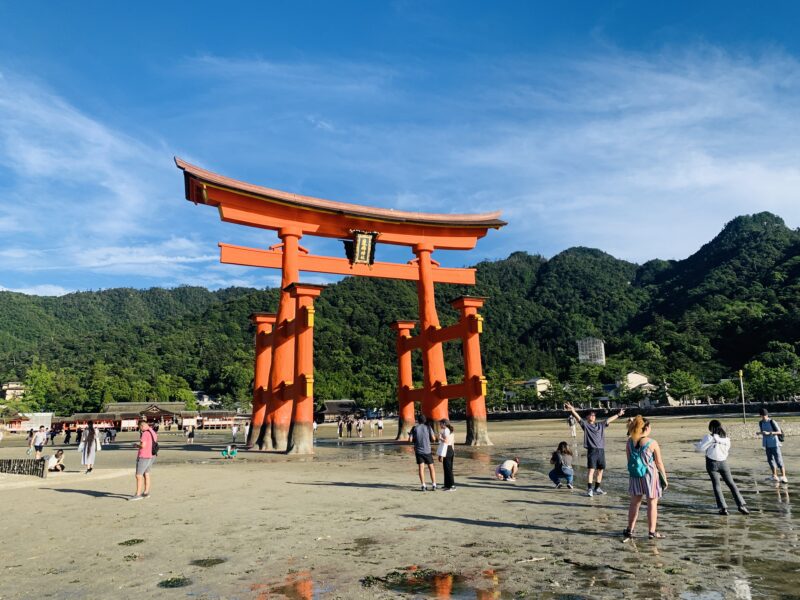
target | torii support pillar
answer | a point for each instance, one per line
(258, 425)
(301, 439)
(434, 407)
(475, 382)
(405, 382)
(279, 401)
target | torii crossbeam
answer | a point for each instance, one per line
(283, 408)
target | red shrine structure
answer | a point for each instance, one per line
(283, 388)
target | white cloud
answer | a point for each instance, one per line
(39, 290)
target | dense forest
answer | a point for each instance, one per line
(733, 304)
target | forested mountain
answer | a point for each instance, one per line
(734, 302)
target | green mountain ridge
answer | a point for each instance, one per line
(733, 301)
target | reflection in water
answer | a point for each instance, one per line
(297, 586)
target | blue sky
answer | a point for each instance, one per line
(637, 128)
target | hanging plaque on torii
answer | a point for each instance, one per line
(283, 405)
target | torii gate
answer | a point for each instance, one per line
(283, 407)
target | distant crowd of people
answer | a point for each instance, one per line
(348, 423)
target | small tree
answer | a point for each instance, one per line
(683, 385)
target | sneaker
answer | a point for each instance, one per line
(132, 498)
(744, 510)
(784, 479)
(450, 489)
(590, 493)
(569, 485)
(775, 478)
(422, 488)
(724, 512)
(599, 492)
(557, 486)
(433, 489)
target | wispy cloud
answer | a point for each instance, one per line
(641, 155)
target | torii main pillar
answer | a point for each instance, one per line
(283, 381)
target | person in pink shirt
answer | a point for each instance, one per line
(148, 449)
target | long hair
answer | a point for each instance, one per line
(715, 427)
(636, 427)
(89, 432)
(446, 423)
(563, 448)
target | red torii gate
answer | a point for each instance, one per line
(283, 408)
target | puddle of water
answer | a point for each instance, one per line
(296, 586)
(441, 584)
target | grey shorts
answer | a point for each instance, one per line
(143, 465)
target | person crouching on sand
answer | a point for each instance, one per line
(562, 465)
(507, 470)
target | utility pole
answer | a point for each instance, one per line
(741, 387)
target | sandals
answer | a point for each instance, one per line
(655, 535)
(627, 535)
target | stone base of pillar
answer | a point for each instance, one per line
(477, 432)
(403, 427)
(280, 438)
(302, 439)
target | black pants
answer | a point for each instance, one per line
(719, 469)
(447, 462)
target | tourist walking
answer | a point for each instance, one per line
(67, 435)
(349, 427)
(647, 477)
(421, 435)
(717, 445)
(89, 446)
(340, 426)
(190, 435)
(771, 438)
(148, 450)
(360, 428)
(52, 435)
(562, 465)
(446, 453)
(507, 470)
(37, 441)
(573, 424)
(78, 436)
(594, 440)
(380, 427)
(234, 431)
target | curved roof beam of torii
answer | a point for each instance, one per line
(257, 206)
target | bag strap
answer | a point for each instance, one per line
(774, 425)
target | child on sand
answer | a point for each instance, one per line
(230, 452)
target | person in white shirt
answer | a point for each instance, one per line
(234, 431)
(38, 441)
(716, 446)
(56, 462)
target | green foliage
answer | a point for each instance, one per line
(735, 301)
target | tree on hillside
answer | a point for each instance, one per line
(683, 385)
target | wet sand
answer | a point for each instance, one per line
(351, 523)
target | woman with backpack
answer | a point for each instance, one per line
(648, 476)
(716, 446)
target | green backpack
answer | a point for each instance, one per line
(637, 467)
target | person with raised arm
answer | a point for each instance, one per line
(594, 440)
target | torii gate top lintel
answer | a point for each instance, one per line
(257, 206)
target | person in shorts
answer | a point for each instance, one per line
(144, 459)
(594, 440)
(421, 435)
(38, 440)
(507, 470)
